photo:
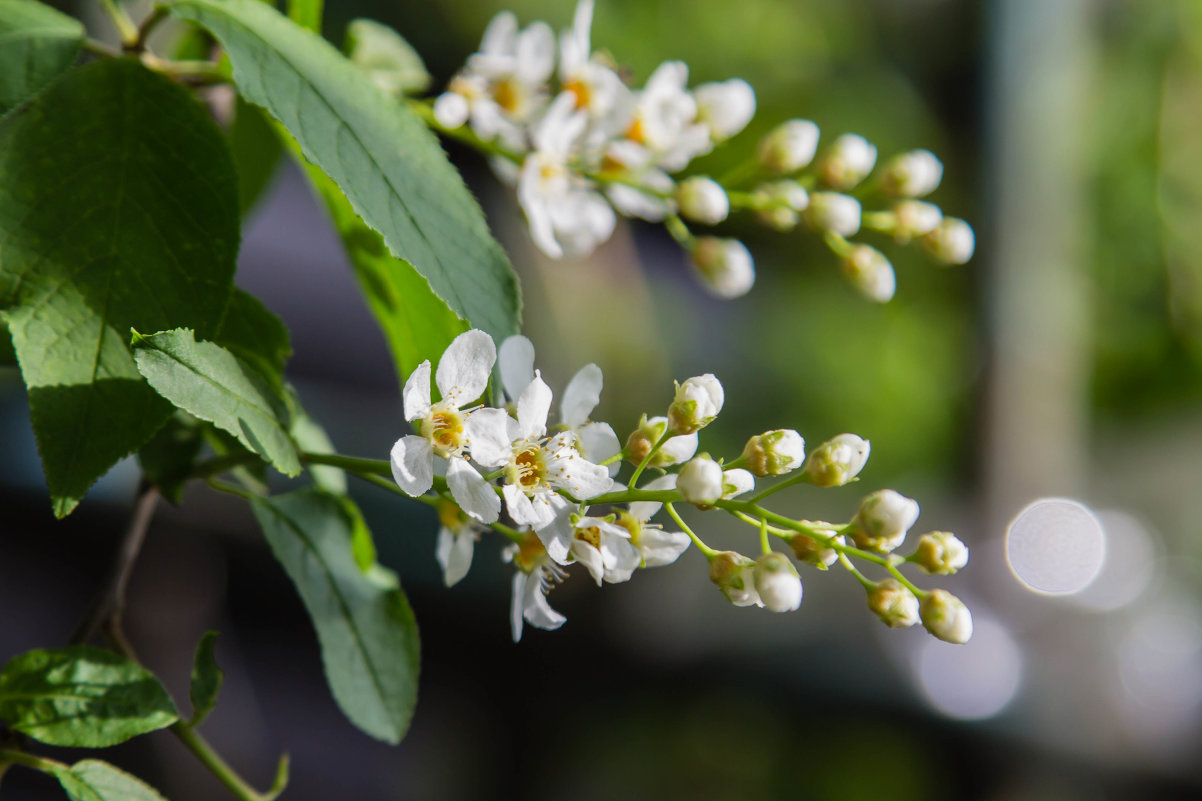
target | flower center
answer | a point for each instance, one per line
(582, 92)
(632, 524)
(591, 535)
(528, 470)
(444, 429)
(530, 551)
(635, 132)
(508, 95)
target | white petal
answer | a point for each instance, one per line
(621, 559)
(557, 537)
(488, 437)
(515, 358)
(591, 558)
(517, 603)
(736, 482)
(584, 479)
(536, 53)
(533, 406)
(500, 35)
(645, 510)
(536, 609)
(538, 215)
(518, 505)
(662, 547)
(451, 109)
(473, 494)
(455, 553)
(417, 392)
(581, 396)
(413, 464)
(598, 442)
(464, 368)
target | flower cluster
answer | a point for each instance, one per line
(551, 490)
(582, 146)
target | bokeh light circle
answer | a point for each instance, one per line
(1056, 546)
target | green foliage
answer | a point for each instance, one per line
(208, 381)
(306, 13)
(382, 157)
(386, 57)
(167, 459)
(8, 356)
(369, 640)
(206, 679)
(309, 436)
(118, 209)
(93, 780)
(81, 696)
(37, 43)
(256, 151)
(256, 336)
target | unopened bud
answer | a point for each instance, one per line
(777, 582)
(850, 158)
(700, 481)
(789, 147)
(914, 218)
(946, 616)
(940, 553)
(895, 605)
(951, 242)
(724, 266)
(451, 110)
(703, 200)
(735, 576)
(674, 450)
(774, 453)
(883, 519)
(813, 552)
(837, 461)
(698, 401)
(912, 174)
(725, 107)
(779, 204)
(870, 273)
(831, 211)
(736, 482)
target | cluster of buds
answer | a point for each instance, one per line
(552, 491)
(582, 147)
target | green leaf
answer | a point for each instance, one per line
(306, 13)
(37, 43)
(309, 436)
(208, 381)
(8, 356)
(253, 475)
(256, 336)
(168, 458)
(386, 161)
(206, 679)
(93, 780)
(256, 151)
(390, 61)
(82, 697)
(369, 640)
(118, 208)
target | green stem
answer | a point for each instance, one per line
(680, 232)
(701, 546)
(148, 25)
(221, 464)
(101, 49)
(352, 464)
(796, 478)
(234, 489)
(512, 533)
(207, 71)
(201, 749)
(865, 582)
(883, 221)
(125, 26)
(617, 457)
(15, 757)
(764, 544)
(840, 246)
(741, 173)
(638, 471)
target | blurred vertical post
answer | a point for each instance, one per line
(1037, 290)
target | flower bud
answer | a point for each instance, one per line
(951, 242)
(736, 482)
(940, 553)
(870, 273)
(774, 453)
(789, 147)
(777, 582)
(735, 576)
(724, 266)
(674, 450)
(725, 107)
(816, 553)
(850, 158)
(703, 200)
(698, 401)
(912, 174)
(779, 204)
(451, 110)
(914, 218)
(837, 461)
(895, 605)
(882, 521)
(700, 481)
(831, 211)
(946, 616)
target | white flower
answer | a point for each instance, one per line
(724, 266)
(652, 199)
(883, 519)
(597, 89)
(725, 107)
(701, 481)
(596, 440)
(536, 466)
(456, 541)
(604, 548)
(697, 402)
(912, 174)
(789, 147)
(735, 576)
(517, 65)
(774, 453)
(870, 273)
(535, 575)
(675, 449)
(831, 211)
(657, 547)
(850, 158)
(703, 200)
(664, 119)
(777, 582)
(946, 616)
(445, 428)
(837, 461)
(566, 216)
(951, 242)
(895, 605)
